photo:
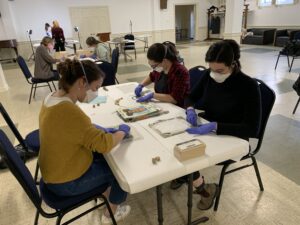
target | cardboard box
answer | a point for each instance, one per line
(189, 149)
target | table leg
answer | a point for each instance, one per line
(190, 204)
(159, 205)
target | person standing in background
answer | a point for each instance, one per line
(48, 30)
(58, 36)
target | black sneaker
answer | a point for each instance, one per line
(207, 202)
(177, 183)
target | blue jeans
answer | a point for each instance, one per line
(97, 175)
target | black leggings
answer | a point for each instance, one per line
(59, 45)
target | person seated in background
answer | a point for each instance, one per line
(58, 36)
(101, 51)
(171, 79)
(230, 100)
(70, 156)
(43, 61)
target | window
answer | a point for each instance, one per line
(284, 2)
(265, 2)
(262, 3)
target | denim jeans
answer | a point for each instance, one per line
(98, 174)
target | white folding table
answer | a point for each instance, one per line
(131, 162)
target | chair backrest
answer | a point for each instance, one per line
(129, 45)
(109, 71)
(115, 59)
(12, 127)
(267, 101)
(18, 169)
(24, 67)
(297, 36)
(195, 74)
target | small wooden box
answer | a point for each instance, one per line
(189, 149)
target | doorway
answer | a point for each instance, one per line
(185, 22)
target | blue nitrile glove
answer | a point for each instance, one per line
(125, 128)
(82, 56)
(203, 129)
(146, 98)
(94, 56)
(107, 130)
(191, 116)
(138, 90)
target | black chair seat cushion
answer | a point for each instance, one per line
(60, 203)
(33, 140)
(37, 80)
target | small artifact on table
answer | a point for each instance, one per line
(105, 88)
(93, 106)
(117, 101)
(155, 160)
(98, 104)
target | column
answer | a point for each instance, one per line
(3, 84)
(233, 19)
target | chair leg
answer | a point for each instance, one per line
(135, 53)
(277, 61)
(296, 106)
(117, 80)
(292, 64)
(36, 219)
(35, 86)
(36, 173)
(49, 86)
(58, 220)
(110, 211)
(257, 173)
(30, 94)
(288, 60)
(222, 176)
(54, 86)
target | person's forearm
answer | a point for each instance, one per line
(165, 98)
(118, 137)
(146, 81)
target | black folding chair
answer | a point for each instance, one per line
(296, 87)
(28, 147)
(61, 205)
(129, 45)
(115, 61)
(195, 75)
(34, 82)
(109, 70)
(267, 101)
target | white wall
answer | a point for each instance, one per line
(144, 14)
(274, 16)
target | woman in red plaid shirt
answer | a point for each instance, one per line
(171, 79)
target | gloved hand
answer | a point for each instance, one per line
(146, 98)
(125, 128)
(138, 90)
(203, 129)
(94, 56)
(191, 116)
(82, 56)
(106, 130)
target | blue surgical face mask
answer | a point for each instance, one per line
(219, 77)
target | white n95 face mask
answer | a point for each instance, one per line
(218, 77)
(90, 96)
(159, 69)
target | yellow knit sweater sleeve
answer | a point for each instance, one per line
(68, 139)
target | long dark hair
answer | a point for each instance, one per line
(90, 41)
(225, 51)
(71, 70)
(157, 52)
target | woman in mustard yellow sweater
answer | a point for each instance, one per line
(70, 142)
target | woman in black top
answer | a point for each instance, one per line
(231, 102)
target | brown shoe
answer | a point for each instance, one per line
(207, 202)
